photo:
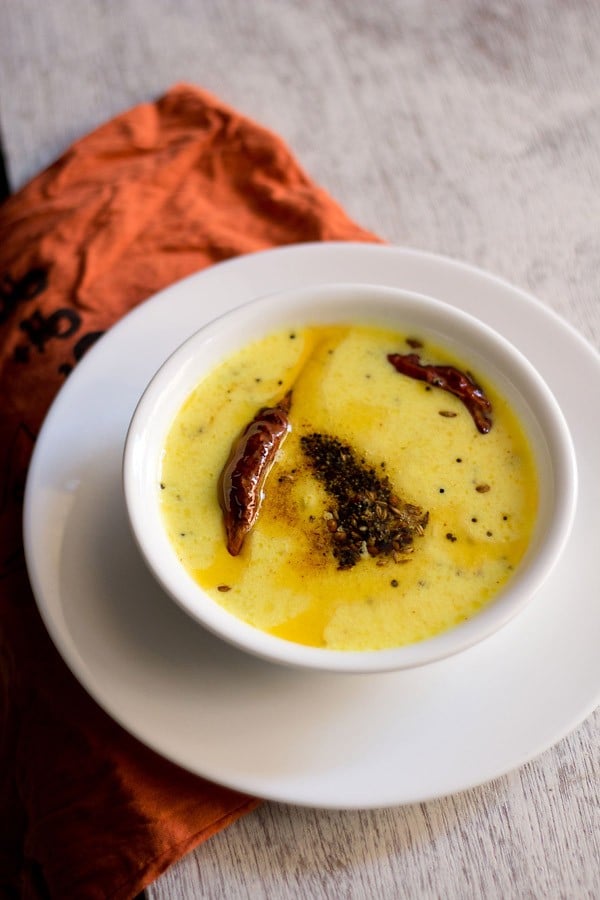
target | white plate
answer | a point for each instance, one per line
(318, 739)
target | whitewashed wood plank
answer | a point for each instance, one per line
(456, 128)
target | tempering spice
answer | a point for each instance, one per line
(366, 518)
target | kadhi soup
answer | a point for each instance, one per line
(347, 480)
(387, 515)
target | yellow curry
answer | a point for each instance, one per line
(474, 495)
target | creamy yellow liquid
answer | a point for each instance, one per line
(286, 580)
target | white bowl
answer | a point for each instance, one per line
(485, 350)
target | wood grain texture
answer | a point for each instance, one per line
(465, 128)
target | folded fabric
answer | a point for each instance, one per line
(156, 194)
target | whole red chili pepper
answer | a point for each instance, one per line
(241, 486)
(448, 379)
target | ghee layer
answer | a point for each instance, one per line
(480, 491)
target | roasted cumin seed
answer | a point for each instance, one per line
(366, 516)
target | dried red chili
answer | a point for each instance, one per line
(241, 486)
(450, 379)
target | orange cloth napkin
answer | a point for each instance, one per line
(159, 192)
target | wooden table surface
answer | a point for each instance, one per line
(467, 128)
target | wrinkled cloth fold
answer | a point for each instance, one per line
(156, 194)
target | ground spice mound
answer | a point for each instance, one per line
(367, 517)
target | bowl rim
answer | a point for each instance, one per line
(168, 387)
